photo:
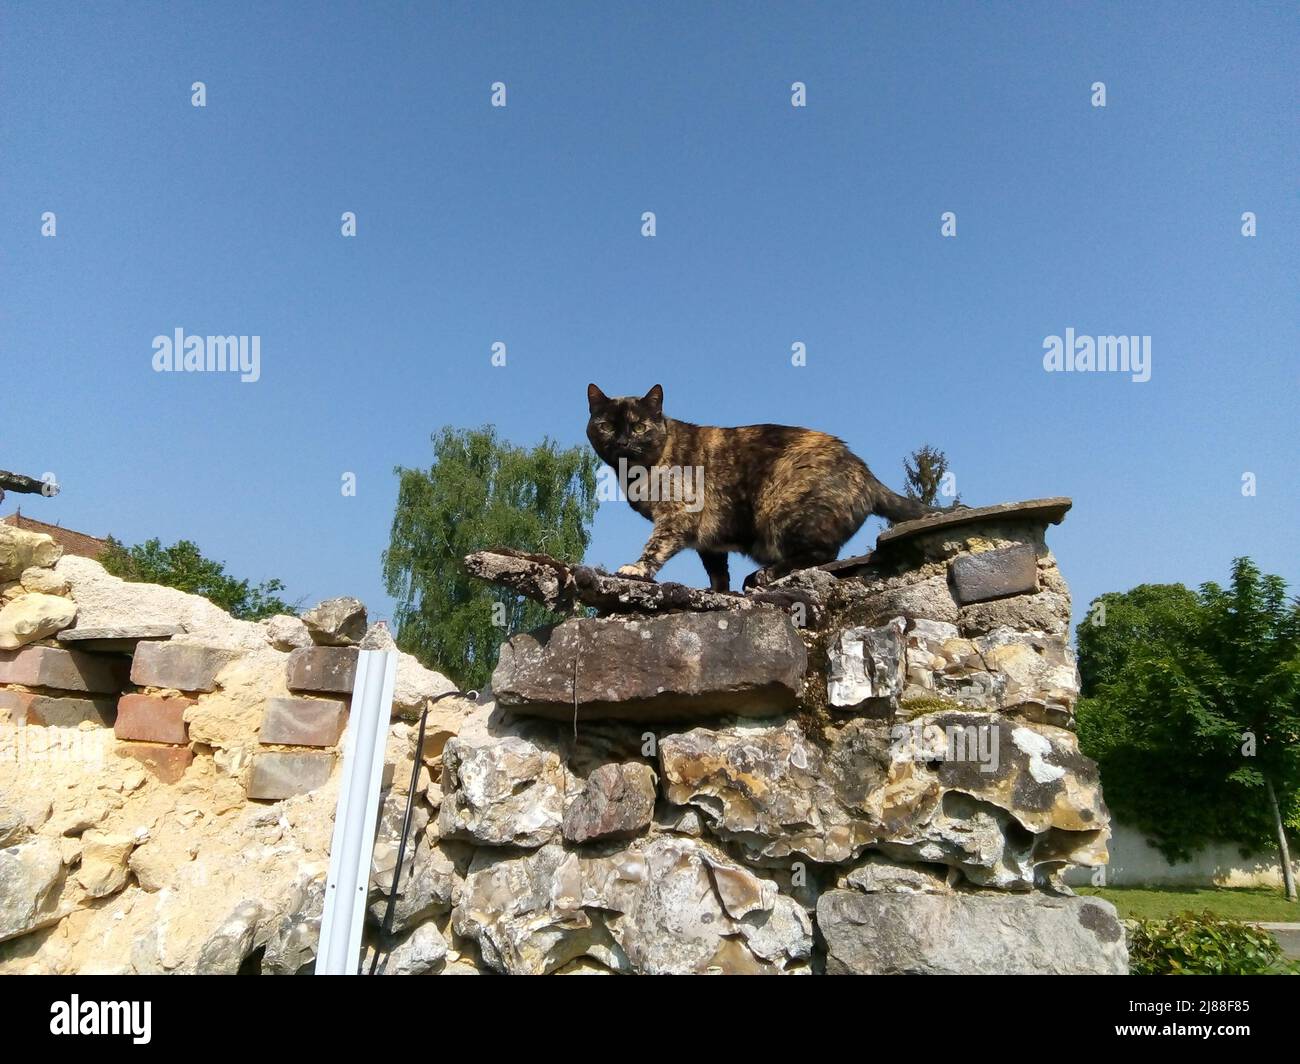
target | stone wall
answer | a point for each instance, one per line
(1136, 862)
(869, 767)
(167, 772)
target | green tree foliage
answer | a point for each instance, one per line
(1193, 709)
(1120, 624)
(923, 473)
(183, 566)
(480, 492)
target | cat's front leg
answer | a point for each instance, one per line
(667, 539)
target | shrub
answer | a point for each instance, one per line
(1204, 944)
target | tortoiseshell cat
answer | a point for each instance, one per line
(787, 497)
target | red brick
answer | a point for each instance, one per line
(63, 670)
(27, 707)
(303, 721)
(155, 720)
(167, 763)
(179, 666)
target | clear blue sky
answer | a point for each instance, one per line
(775, 225)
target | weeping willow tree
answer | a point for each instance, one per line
(481, 491)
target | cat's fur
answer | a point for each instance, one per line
(787, 497)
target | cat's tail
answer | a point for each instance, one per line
(876, 498)
(894, 507)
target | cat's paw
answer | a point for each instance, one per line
(636, 571)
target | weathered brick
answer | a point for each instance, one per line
(167, 763)
(276, 775)
(303, 721)
(331, 670)
(179, 666)
(994, 574)
(63, 670)
(26, 707)
(155, 720)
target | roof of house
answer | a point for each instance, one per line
(73, 542)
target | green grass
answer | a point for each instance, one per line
(1238, 903)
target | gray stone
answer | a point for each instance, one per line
(388, 838)
(179, 666)
(1027, 674)
(337, 622)
(771, 791)
(1046, 611)
(430, 888)
(994, 574)
(328, 670)
(422, 952)
(1002, 802)
(27, 707)
(31, 879)
(501, 792)
(673, 667)
(291, 944)
(63, 670)
(276, 775)
(970, 934)
(866, 669)
(660, 905)
(879, 875)
(13, 826)
(618, 803)
(290, 721)
(231, 943)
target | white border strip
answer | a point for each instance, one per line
(355, 820)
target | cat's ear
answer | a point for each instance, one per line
(654, 398)
(595, 398)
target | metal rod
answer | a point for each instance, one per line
(387, 925)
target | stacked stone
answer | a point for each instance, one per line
(869, 767)
(205, 842)
(151, 724)
(876, 773)
(42, 684)
(305, 727)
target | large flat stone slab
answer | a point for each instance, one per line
(684, 665)
(985, 933)
(120, 639)
(1045, 511)
(1031, 512)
